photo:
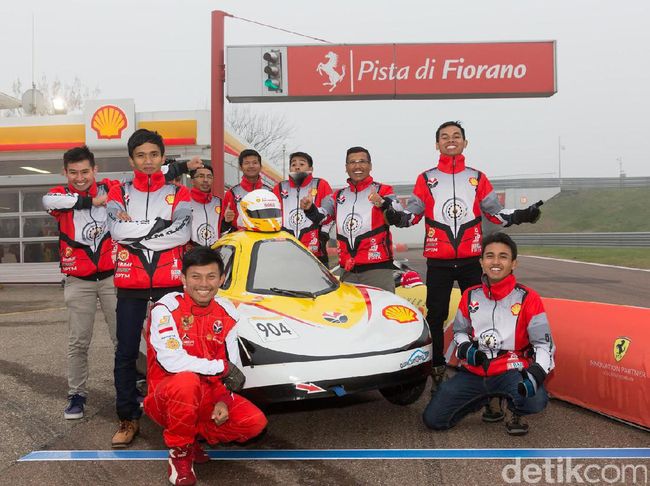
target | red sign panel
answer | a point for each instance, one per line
(506, 69)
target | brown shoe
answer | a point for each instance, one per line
(125, 434)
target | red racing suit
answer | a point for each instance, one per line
(150, 246)
(452, 198)
(188, 349)
(294, 220)
(85, 245)
(234, 195)
(362, 233)
(509, 324)
(206, 218)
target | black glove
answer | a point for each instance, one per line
(470, 352)
(531, 379)
(529, 215)
(392, 216)
(234, 379)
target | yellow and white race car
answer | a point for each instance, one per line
(303, 334)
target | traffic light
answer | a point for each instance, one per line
(273, 70)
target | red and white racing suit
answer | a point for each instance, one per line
(235, 194)
(509, 323)
(294, 220)
(206, 218)
(188, 349)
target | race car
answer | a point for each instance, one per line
(302, 333)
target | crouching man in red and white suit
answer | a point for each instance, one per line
(191, 375)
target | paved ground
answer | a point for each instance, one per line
(33, 385)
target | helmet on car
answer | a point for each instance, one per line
(261, 211)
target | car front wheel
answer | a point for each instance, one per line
(404, 394)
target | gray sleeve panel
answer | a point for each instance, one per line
(539, 335)
(491, 205)
(327, 206)
(462, 328)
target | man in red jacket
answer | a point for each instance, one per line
(504, 343)
(150, 220)
(301, 183)
(206, 208)
(452, 198)
(250, 163)
(365, 245)
(87, 256)
(191, 372)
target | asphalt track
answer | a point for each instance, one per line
(32, 387)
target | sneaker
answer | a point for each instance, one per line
(75, 408)
(181, 469)
(125, 434)
(437, 376)
(516, 426)
(493, 411)
(200, 456)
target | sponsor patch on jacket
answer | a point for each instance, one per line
(515, 309)
(473, 181)
(163, 330)
(123, 255)
(217, 326)
(399, 313)
(314, 191)
(217, 209)
(432, 182)
(172, 343)
(169, 198)
(284, 194)
(164, 320)
(473, 306)
(68, 252)
(187, 321)
(340, 199)
(187, 341)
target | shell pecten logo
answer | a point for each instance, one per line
(109, 121)
(400, 314)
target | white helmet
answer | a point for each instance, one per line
(261, 211)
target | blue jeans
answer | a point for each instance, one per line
(131, 314)
(466, 393)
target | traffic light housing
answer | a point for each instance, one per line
(273, 70)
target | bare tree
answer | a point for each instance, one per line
(74, 94)
(266, 132)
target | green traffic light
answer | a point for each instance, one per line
(271, 85)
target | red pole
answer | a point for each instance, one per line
(217, 101)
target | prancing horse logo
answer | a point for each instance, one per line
(329, 68)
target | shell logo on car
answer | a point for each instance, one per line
(399, 313)
(109, 121)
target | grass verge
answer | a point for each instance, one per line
(624, 257)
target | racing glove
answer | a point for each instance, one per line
(470, 352)
(531, 380)
(529, 215)
(233, 379)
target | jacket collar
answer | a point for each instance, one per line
(197, 310)
(148, 183)
(361, 185)
(451, 165)
(200, 196)
(499, 290)
(249, 186)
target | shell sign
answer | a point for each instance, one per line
(109, 122)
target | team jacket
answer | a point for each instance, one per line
(150, 246)
(294, 219)
(363, 236)
(508, 322)
(206, 217)
(85, 245)
(234, 195)
(452, 198)
(182, 336)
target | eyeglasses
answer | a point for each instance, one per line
(358, 162)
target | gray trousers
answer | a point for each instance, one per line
(380, 277)
(81, 300)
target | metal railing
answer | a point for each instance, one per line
(630, 240)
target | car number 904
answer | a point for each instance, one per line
(272, 329)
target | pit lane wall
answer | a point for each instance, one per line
(602, 360)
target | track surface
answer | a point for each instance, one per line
(33, 385)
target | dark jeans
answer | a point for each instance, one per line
(440, 281)
(466, 393)
(131, 314)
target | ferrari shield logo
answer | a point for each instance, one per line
(621, 345)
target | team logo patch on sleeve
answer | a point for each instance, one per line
(473, 181)
(172, 343)
(433, 182)
(164, 320)
(515, 309)
(169, 199)
(473, 306)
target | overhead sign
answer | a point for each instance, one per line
(109, 123)
(390, 71)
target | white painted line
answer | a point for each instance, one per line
(586, 263)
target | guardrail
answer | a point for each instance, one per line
(630, 240)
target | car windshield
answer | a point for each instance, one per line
(282, 267)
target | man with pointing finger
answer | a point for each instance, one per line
(365, 245)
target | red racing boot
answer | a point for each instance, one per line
(181, 469)
(200, 456)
